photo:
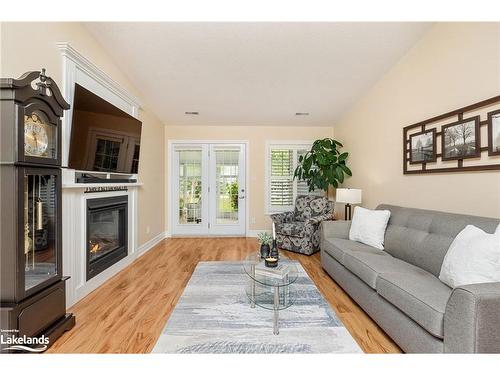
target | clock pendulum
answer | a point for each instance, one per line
(39, 206)
(33, 223)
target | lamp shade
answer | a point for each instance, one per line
(351, 196)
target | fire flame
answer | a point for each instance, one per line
(95, 248)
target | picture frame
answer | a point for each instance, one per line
(494, 133)
(461, 139)
(423, 147)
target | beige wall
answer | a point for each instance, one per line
(257, 137)
(32, 46)
(453, 65)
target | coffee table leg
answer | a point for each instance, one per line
(286, 290)
(252, 270)
(276, 310)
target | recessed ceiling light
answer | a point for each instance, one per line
(301, 113)
(196, 113)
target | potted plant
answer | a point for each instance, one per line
(265, 239)
(323, 165)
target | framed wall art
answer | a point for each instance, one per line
(461, 140)
(423, 147)
(494, 133)
(466, 139)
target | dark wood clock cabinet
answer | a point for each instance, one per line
(32, 287)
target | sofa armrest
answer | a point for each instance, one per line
(337, 229)
(472, 319)
(283, 217)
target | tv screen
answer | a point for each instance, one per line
(103, 137)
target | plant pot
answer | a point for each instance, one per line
(264, 251)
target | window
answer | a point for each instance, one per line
(113, 151)
(106, 155)
(281, 188)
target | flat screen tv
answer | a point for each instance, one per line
(103, 137)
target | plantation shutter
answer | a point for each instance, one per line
(282, 188)
(281, 179)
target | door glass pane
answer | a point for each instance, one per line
(227, 170)
(39, 226)
(189, 186)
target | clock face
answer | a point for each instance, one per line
(36, 137)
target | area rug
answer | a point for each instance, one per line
(213, 315)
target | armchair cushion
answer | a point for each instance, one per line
(283, 217)
(316, 220)
(308, 206)
(296, 229)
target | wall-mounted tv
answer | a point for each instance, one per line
(103, 137)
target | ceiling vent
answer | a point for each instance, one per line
(301, 113)
(193, 113)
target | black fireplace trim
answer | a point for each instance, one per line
(102, 204)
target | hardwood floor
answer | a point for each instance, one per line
(128, 313)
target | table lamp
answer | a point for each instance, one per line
(348, 196)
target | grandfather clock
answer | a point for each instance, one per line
(32, 287)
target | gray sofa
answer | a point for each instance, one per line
(399, 287)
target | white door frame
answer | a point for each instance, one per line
(170, 162)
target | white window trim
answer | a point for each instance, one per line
(296, 145)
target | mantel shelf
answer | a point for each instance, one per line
(83, 186)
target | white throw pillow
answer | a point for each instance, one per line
(473, 257)
(368, 226)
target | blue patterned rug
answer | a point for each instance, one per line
(214, 315)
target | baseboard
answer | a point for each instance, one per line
(255, 232)
(145, 247)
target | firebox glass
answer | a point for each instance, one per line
(104, 233)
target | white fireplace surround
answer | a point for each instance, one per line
(78, 69)
(75, 240)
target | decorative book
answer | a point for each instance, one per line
(278, 272)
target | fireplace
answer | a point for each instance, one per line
(107, 238)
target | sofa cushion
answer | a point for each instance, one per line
(422, 237)
(368, 266)
(296, 229)
(337, 247)
(419, 294)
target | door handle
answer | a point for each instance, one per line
(242, 197)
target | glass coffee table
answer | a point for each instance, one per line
(270, 292)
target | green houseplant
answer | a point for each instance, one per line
(265, 240)
(323, 165)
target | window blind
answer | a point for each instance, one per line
(283, 189)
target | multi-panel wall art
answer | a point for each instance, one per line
(467, 139)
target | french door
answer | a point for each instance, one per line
(208, 189)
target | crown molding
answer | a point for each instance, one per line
(96, 73)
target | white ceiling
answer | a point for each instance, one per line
(254, 73)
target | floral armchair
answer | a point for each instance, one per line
(298, 230)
